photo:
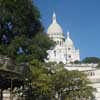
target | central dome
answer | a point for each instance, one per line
(55, 28)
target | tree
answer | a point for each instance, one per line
(21, 32)
(77, 62)
(41, 81)
(68, 85)
(72, 85)
(91, 60)
(22, 38)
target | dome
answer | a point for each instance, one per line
(68, 40)
(54, 27)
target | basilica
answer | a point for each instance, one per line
(64, 50)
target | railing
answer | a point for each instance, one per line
(7, 65)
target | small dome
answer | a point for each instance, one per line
(54, 27)
(68, 40)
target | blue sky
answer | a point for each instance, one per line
(80, 17)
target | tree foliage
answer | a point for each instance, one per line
(21, 32)
(40, 80)
(91, 60)
(22, 37)
(56, 82)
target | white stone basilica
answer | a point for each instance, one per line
(64, 50)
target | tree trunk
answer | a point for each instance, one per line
(11, 95)
(59, 96)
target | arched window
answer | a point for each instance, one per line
(54, 53)
(60, 43)
(57, 42)
(69, 56)
(92, 74)
(69, 48)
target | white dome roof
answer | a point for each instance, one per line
(54, 27)
(68, 40)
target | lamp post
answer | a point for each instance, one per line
(1, 97)
(11, 94)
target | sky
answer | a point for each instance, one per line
(80, 17)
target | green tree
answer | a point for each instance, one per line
(77, 62)
(21, 32)
(22, 38)
(69, 85)
(73, 85)
(52, 80)
(41, 80)
(91, 60)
